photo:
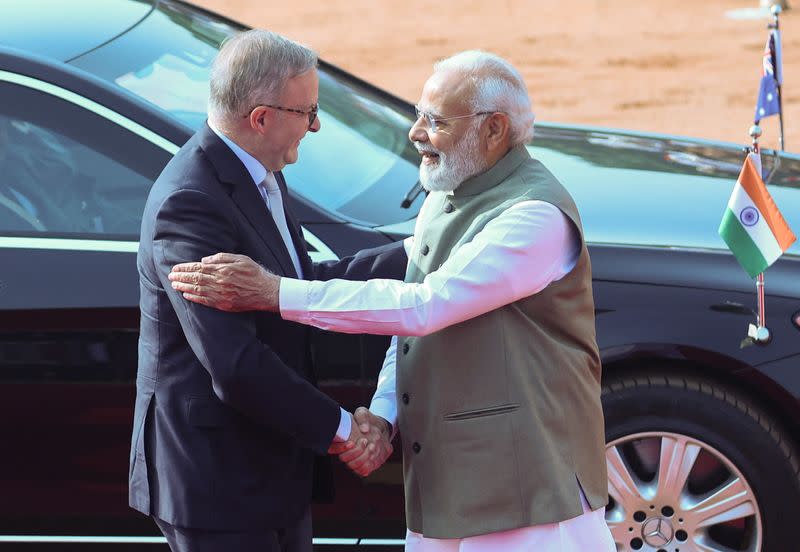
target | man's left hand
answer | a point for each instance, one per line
(228, 282)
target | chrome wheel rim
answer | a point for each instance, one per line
(673, 493)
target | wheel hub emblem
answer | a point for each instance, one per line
(657, 532)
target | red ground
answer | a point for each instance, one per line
(673, 66)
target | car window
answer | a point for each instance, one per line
(359, 166)
(65, 171)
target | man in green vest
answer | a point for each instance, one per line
(494, 359)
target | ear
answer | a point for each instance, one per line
(259, 119)
(498, 129)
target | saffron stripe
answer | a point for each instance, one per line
(751, 182)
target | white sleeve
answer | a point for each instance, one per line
(516, 255)
(384, 401)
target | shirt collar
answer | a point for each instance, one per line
(257, 171)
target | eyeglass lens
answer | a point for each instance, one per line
(428, 119)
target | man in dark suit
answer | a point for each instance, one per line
(227, 419)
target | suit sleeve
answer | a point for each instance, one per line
(387, 261)
(246, 374)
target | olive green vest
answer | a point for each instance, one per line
(500, 415)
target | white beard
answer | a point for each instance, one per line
(454, 167)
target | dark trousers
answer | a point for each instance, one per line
(291, 539)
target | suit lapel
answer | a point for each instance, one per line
(252, 206)
(245, 195)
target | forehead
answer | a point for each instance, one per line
(302, 90)
(446, 93)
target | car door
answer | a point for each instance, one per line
(74, 176)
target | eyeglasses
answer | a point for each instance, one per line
(311, 113)
(434, 121)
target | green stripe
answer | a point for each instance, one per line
(742, 245)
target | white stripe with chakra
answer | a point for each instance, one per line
(760, 232)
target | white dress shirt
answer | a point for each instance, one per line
(265, 180)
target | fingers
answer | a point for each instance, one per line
(186, 281)
(222, 258)
(362, 417)
(197, 299)
(339, 447)
(366, 463)
(363, 463)
(358, 454)
(366, 420)
(188, 267)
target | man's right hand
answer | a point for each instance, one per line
(369, 444)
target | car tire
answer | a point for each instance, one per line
(694, 464)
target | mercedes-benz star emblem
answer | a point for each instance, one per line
(657, 532)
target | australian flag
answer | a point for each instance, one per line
(771, 78)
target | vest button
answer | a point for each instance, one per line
(405, 398)
(448, 208)
(425, 249)
(416, 448)
(405, 348)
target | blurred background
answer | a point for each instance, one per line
(689, 67)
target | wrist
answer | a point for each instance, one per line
(272, 293)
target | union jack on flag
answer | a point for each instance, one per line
(771, 78)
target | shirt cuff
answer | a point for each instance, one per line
(345, 426)
(387, 410)
(293, 298)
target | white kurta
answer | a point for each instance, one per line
(517, 254)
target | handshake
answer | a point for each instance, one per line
(368, 446)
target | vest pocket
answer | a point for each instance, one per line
(471, 476)
(481, 412)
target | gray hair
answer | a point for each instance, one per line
(498, 87)
(253, 67)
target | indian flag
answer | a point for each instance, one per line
(752, 226)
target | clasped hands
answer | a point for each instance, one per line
(369, 444)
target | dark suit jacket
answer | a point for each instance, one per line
(227, 418)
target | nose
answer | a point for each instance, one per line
(316, 125)
(419, 131)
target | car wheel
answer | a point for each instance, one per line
(692, 465)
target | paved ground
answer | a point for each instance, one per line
(674, 66)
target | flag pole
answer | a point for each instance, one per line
(776, 12)
(758, 332)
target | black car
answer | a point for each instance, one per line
(97, 95)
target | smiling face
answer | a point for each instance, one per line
(452, 154)
(281, 131)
